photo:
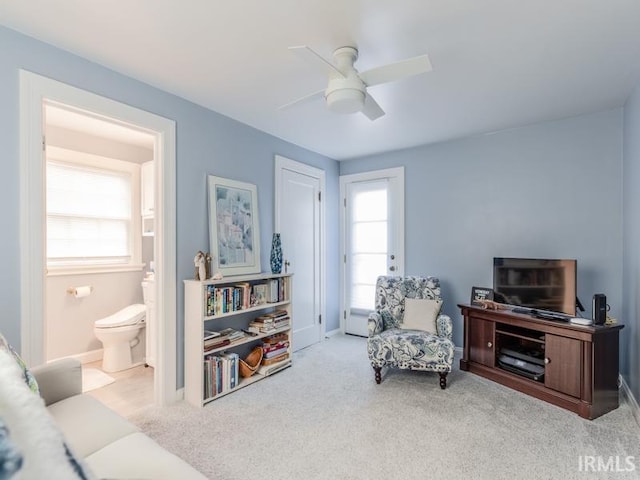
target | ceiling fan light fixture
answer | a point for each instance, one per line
(345, 100)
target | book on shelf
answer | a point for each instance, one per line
(216, 343)
(270, 347)
(266, 370)
(275, 353)
(279, 358)
(272, 290)
(274, 339)
(232, 334)
(259, 292)
(209, 334)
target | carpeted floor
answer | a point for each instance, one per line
(325, 418)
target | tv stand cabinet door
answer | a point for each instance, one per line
(482, 341)
(563, 364)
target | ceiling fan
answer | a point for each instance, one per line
(347, 89)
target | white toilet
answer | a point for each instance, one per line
(119, 333)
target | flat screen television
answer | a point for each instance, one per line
(540, 284)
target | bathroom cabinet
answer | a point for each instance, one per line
(147, 200)
(233, 302)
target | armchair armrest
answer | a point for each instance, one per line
(375, 324)
(59, 379)
(444, 326)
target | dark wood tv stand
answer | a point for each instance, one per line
(581, 363)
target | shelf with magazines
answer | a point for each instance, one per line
(227, 320)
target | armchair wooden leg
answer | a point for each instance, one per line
(443, 380)
(378, 376)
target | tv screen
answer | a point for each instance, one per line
(541, 284)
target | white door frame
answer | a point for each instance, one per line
(398, 174)
(34, 89)
(283, 163)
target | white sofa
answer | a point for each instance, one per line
(111, 446)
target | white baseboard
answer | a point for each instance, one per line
(179, 394)
(633, 403)
(85, 357)
(331, 333)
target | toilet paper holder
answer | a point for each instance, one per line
(78, 291)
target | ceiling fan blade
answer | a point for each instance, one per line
(302, 100)
(396, 71)
(371, 108)
(311, 57)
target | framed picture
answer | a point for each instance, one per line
(234, 230)
(480, 293)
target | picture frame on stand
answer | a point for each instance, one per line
(480, 293)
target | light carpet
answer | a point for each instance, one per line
(92, 378)
(325, 418)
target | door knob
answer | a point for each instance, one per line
(286, 265)
(489, 344)
(547, 361)
(392, 268)
(393, 257)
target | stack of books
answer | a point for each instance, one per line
(275, 349)
(270, 321)
(214, 340)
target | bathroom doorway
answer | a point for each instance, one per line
(37, 95)
(99, 245)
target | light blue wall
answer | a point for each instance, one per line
(551, 190)
(631, 205)
(207, 143)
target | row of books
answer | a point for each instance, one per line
(221, 373)
(227, 299)
(231, 298)
(276, 290)
(269, 322)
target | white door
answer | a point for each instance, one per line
(299, 222)
(373, 240)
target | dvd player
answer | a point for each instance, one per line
(522, 367)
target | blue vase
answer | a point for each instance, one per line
(276, 254)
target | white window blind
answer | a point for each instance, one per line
(89, 214)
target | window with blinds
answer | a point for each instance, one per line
(89, 215)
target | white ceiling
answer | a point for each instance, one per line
(497, 63)
(98, 127)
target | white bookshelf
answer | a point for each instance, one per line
(196, 321)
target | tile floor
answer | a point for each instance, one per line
(132, 390)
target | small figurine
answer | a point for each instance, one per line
(200, 270)
(491, 305)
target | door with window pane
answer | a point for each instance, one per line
(374, 238)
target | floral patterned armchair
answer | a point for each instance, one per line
(389, 345)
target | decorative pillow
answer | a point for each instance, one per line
(421, 314)
(26, 374)
(10, 456)
(33, 434)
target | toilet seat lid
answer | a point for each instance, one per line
(130, 315)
